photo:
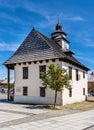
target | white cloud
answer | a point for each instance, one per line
(9, 4)
(49, 19)
(50, 16)
(89, 42)
(85, 59)
(3, 72)
(30, 6)
(74, 18)
(10, 17)
(8, 47)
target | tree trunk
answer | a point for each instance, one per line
(55, 98)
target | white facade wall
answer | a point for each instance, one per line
(77, 86)
(65, 45)
(34, 83)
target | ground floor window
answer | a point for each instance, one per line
(83, 91)
(70, 92)
(25, 91)
(42, 91)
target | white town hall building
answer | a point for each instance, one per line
(33, 56)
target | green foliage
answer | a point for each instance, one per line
(55, 78)
(11, 86)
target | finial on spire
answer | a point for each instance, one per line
(33, 28)
(59, 26)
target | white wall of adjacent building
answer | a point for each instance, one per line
(34, 83)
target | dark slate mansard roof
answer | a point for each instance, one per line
(38, 47)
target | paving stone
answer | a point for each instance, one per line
(25, 117)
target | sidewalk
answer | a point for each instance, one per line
(34, 117)
(77, 121)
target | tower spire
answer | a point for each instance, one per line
(58, 27)
(58, 19)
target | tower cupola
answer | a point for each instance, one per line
(60, 37)
(58, 27)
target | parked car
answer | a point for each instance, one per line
(91, 93)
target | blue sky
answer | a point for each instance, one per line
(17, 17)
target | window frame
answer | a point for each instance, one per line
(83, 75)
(25, 91)
(42, 68)
(77, 75)
(42, 92)
(83, 91)
(70, 92)
(25, 72)
(70, 72)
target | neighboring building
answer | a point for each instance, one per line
(33, 56)
(1, 83)
(4, 84)
(90, 81)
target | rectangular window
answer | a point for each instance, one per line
(25, 91)
(42, 68)
(65, 46)
(83, 75)
(70, 73)
(25, 72)
(42, 91)
(70, 92)
(83, 91)
(77, 77)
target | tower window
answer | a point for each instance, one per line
(65, 46)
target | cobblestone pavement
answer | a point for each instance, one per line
(28, 117)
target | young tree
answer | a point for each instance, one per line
(55, 78)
